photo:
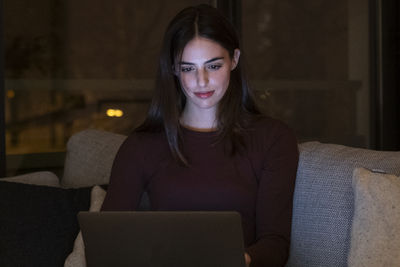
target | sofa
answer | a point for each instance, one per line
(346, 206)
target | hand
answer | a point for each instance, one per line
(247, 259)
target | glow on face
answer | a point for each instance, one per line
(204, 73)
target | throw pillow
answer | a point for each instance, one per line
(38, 224)
(77, 256)
(375, 234)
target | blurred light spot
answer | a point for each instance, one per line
(114, 112)
(119, 113)
(10, 94)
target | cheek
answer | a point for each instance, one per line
(187, 82)
(223, 80)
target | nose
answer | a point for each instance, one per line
(202, 78)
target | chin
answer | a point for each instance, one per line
(207, 106)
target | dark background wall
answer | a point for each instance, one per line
(315, 65)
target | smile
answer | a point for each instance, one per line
(204, 94)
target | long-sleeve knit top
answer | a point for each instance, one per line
(258, 182)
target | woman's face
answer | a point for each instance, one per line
(204, 73)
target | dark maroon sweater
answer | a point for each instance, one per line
(258, 183)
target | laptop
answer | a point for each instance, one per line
(162, 238)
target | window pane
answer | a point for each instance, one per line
(309, 63)
(72, 65)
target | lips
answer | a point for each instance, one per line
(203, 95)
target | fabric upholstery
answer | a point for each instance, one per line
(89, 158)
(37, 178)
(323, 201)
(38, 224)
(375, 234)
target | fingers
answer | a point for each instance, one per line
(247, 259)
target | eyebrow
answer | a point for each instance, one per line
(208, 61)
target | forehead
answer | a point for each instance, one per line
(202, 49)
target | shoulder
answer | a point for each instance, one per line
(143, 143)
(272, 143)
(265, 133)
(268, 127)
(146, 137)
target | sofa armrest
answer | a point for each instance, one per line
(36, 178)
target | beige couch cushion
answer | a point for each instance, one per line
(90, 155)
(375, 235)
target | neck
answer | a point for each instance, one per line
(199, 121)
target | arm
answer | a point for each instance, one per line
(127, 179)
(274, 202)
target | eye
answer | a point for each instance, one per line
(186, 68)
(214, 66)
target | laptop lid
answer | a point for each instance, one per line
(162, 238)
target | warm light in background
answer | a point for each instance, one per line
(10, 93)
(114, 112)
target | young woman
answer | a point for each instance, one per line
(205, 146)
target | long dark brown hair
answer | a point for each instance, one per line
(236, 107)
